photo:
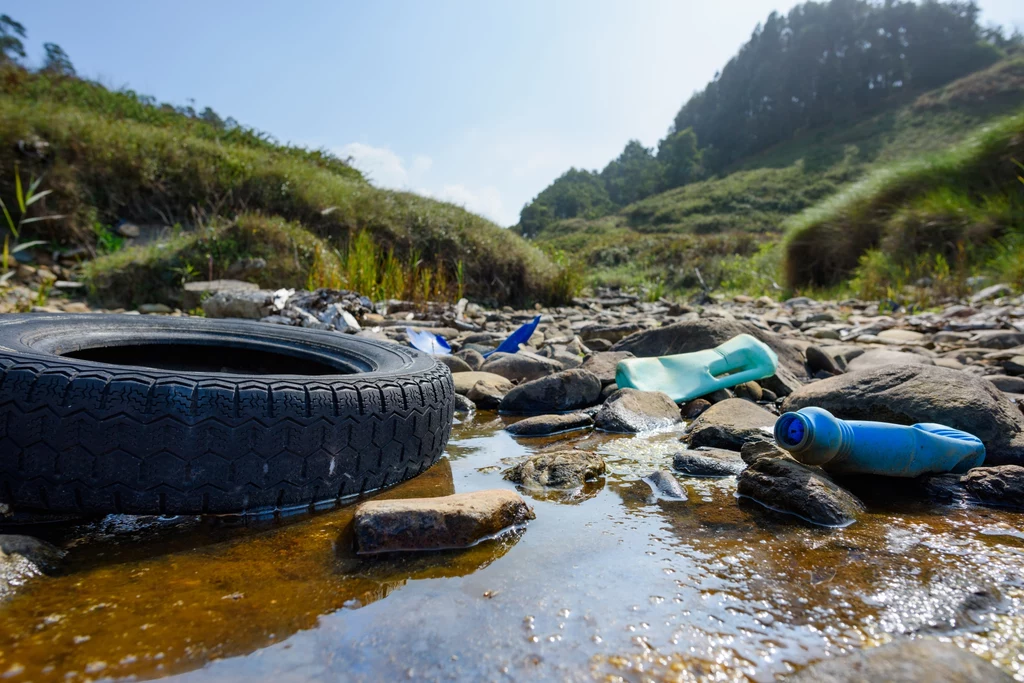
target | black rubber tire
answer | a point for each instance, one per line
(85, 436)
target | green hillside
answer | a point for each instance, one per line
(109, 156)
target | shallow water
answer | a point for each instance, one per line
(606, 583)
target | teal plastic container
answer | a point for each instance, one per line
(689, 375)
(816, 437)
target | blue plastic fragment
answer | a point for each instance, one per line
(428, 342)
(520, 336)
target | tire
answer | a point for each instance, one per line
(208, 416)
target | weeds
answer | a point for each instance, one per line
(107, 241)
(23, 200)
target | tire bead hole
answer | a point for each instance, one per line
(207, 359)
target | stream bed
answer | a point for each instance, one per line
(606, 583)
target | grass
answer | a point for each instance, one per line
(668, 236)
(103, 167)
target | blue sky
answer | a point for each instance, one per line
(482, 103)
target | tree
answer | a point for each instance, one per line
(634, 175)
(680, 158)
(576, 193)
(11, 33)
(57, 61)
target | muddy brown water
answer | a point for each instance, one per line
(604, 584)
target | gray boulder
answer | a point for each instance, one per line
(252, 305)
(542, 425)
(1002, 486)
(920, 393)
(473, 358)
(664, 486)
(729, 424)
(560, 392)
(455, 521)
(876, 358)
(464, 381)
(707, 333)
(631, 411)
(906, 661)
(603, 364)
(785, 485)
(520, 367)
(454, 363)
(708, 462)
(556, 469)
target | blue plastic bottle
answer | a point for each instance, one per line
(815, 437)
(689, 375)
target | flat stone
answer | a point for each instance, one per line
(753, 450)
(664, 486)
(612, 333)
(905, 661)
(729, 424)
(456, 521)
(901, 336)
(785, 485)
(919, 393)
(876, 358)
(158, 309)
(464, 381)
(632, 411)
(195, 292)
(708, 462)
(1001, 486)
(556, 469)
(520, 367)
(991, 292)
(542, 425)
(998, 339)
(561, 392)
(604, 363)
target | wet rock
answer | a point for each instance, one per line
(23, 558)
(748, 390)
(818, 360)
(693, 409)
(251, 305)
(473, 358)
(730, 424)
(454, 363)
(560, 392)
(785, 485)
(911, 394)
(520, 367)
(1002, 485)
(556, 469)
(707, 333)
(456, 521)
(603, 364)
(942, 488)
(463, 404)
(542, 425)
(753, 450)
(464, 381)
(664, 486)
(612, 333)
(907, 661)
(708, 462)
(631, 411)
(876, 358)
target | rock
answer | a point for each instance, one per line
(606, 392)
(159, 309)
(463, 404)
(599, 344)
(876, 358)
(456, 521)
(785, 485)
(692, 409)
(906, 661)
(341, 320)
(127, 230)
(707, 333)
(708, 462)
(819, 360)
(195, 292)
(915, 393)
(464, 381)
(730, 424)
(485, 395)
(943, 488)
(1011, 385)
(251, 305)
(901, 336)
(474, 359)
(998, 339)
(1014, 366)
(603, 364)
(520, 367)
(748, 390)
(23, 558)
(542, 425)
(664, 486)
(560, 392)
(1002, 485)
(611, 333)
(454, 363)
(556, 469)
(991, 292)
(568, 360)
(631, 411)
(753, 450)
(782, 383)
(718, 396)
(768, 395)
